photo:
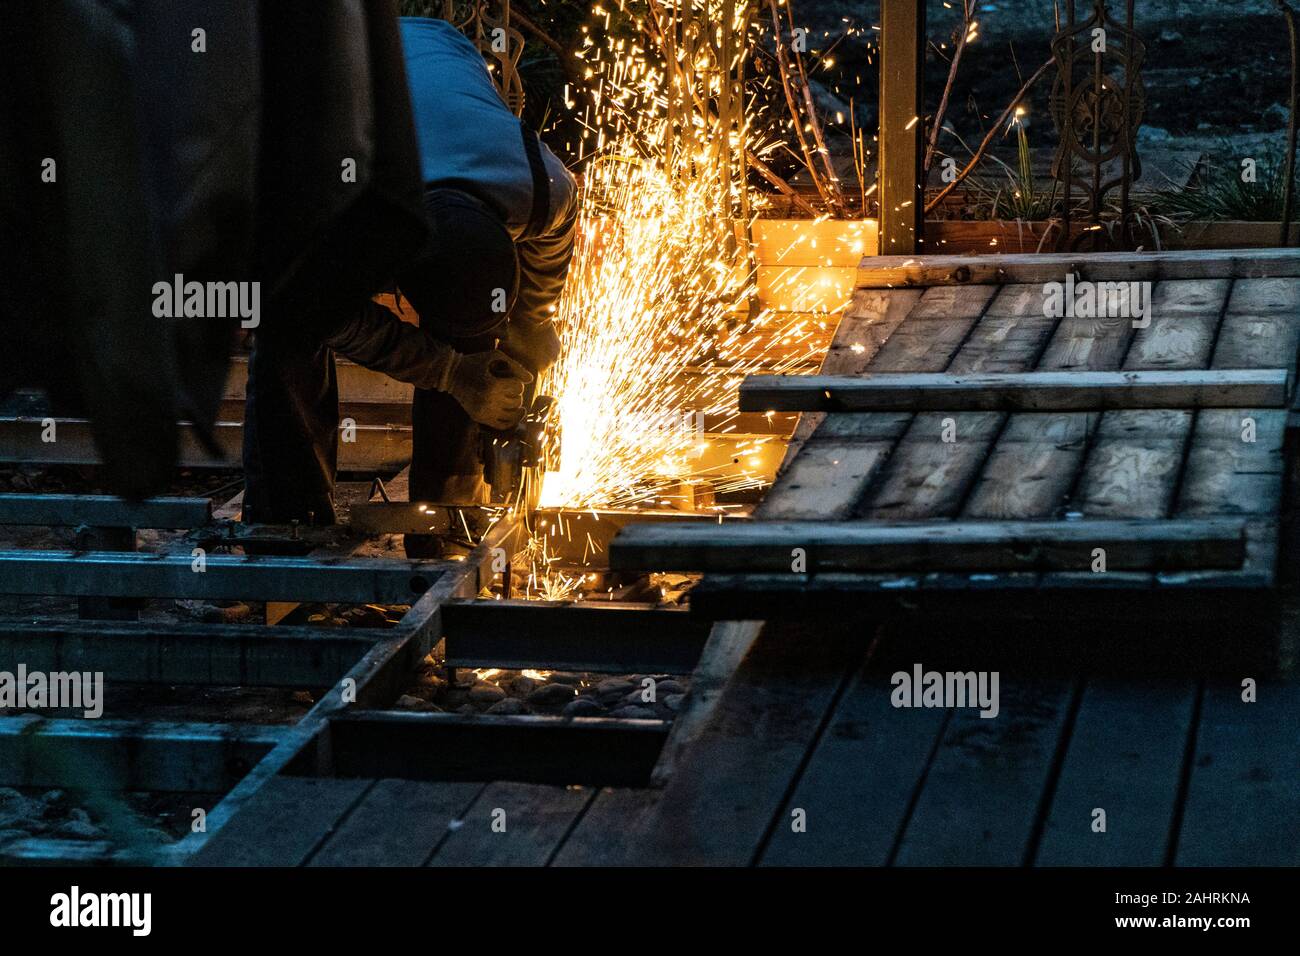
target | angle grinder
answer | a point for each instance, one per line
(515, 459)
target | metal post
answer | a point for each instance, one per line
(902, 126)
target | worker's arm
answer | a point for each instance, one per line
(488, 385)
(543, 267)
(544, 259)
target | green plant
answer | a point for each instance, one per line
(1251, 190)
(1014, 195)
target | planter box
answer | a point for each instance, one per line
(958, 237)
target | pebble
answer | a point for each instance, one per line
(630, 712)
(7, 835)
(523, 686)
(78, 830)
(467, 709)
(552, 694)
(635, 699)
(665, 687)
(573, 679)
(614, 686)
(674, 702)
(583, 707)
(407, 702)
(511, 705)
(485, 693)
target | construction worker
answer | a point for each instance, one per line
(501, 211)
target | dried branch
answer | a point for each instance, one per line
(988, 137)
(937, 123)
(781, 185)
(783, 67)
(816, 125)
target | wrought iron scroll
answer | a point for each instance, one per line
(1097, 104)
(495, 38)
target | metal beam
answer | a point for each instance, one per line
(262, 578)
(591, 751)
(234, 655)
(373, 448)
(583, 537)
(104, 511)
(902, 126)
(374, 681)
(599, 636)
(129, 755)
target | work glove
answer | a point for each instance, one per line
(489, 386)
(535, 344)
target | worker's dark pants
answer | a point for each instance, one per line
(291, 417)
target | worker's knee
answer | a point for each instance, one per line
(464, 283)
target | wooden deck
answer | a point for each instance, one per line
(1156, 698)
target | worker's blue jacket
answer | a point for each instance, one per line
(469, 140)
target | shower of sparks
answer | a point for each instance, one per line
(656, 324)
(658, 318)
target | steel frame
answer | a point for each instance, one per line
(364, 671)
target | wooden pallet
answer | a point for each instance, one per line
(1135, 421)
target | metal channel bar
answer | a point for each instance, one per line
(588, 636)
(215, 577)
(104, 511)
(208, 655)
(377, 448)
(374, 681)
(590, 751)
(130, 755)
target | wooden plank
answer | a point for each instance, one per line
(931, 470)
(857, 790)
(1235, 463)
(1224, 600)
(1132, 470)
(770, 546)
(396, 823)
(513, 824)
(872, 317)
(727, 791)
(1135, 462)
(282, 822)
(1243, 798)
(1125, 756)
(1018, 391)
(586, 636)
(1003, 343)
(1178, 341)
(893, 271)
(824, 481)
(1031, 469)
(981, 796)
(611, 828)
(726, 647)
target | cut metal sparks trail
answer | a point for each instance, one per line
(656, 319)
